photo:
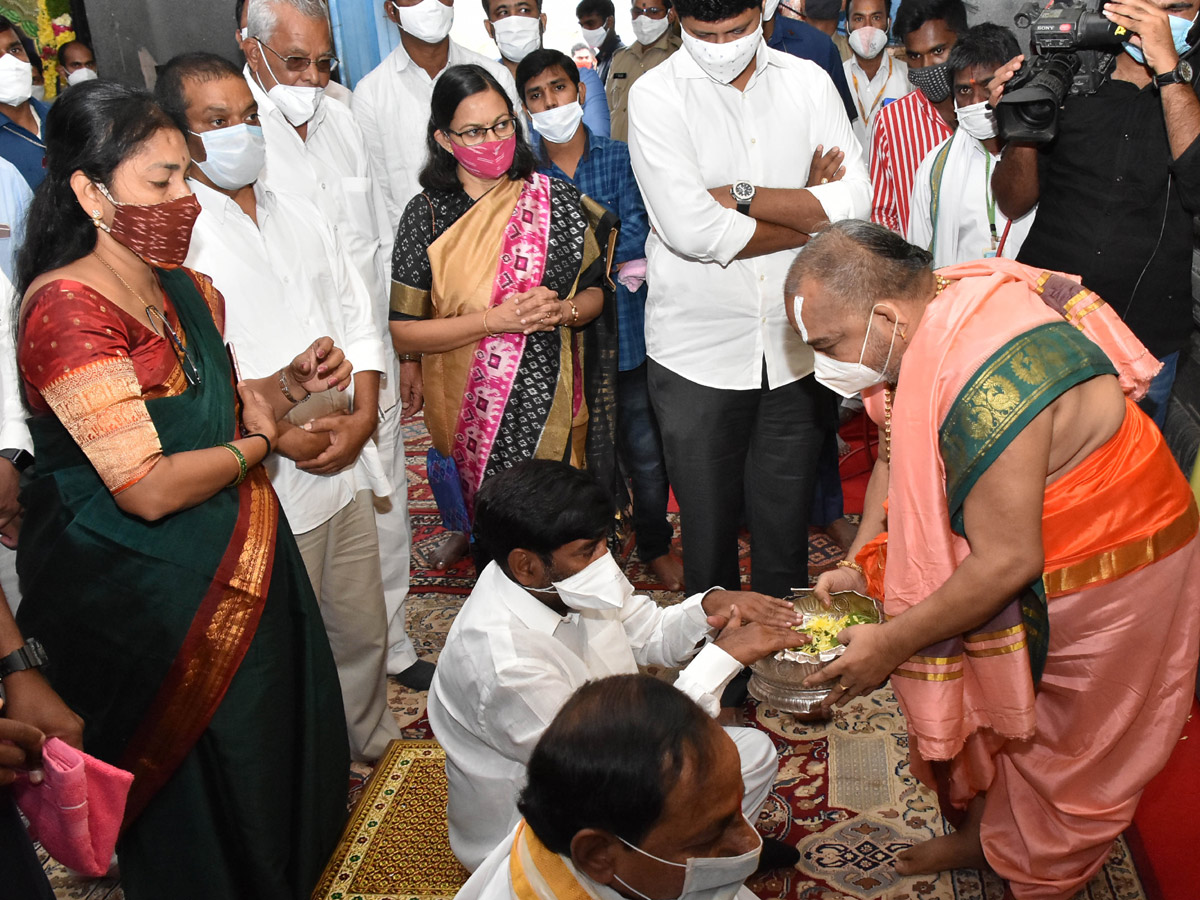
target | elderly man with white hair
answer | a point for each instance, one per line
(316, 149)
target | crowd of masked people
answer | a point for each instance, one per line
(223, 299)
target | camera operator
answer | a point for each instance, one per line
(1117, 189)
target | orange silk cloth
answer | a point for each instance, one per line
(1123, 581)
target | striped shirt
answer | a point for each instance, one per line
(904, 133)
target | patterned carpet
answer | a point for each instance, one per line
(844, 795)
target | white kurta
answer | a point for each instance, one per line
(710, 318)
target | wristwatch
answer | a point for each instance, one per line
(1181, 74)
(743, 193)
(21, 459)
(31, 656)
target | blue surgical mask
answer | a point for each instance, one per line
(1179, 31)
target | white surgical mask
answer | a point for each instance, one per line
(724, 62)
(770, 7)
(558, 125)
(594, 37)
(235, 155)
(517, 36)
(600, 585)
(16, 80)
(79, 76)
(978, 120)
(245, 33)
(39, 92)
(428, 21)
(297, 102)
(845, 378)
(706, 877)
(868, 41)
(648, 30)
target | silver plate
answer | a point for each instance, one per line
(778, 681)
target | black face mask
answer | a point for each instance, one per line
(932, 81)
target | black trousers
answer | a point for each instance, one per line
(733, 452)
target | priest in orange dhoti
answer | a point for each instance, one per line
(1032, 539)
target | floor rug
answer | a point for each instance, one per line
(396, 844)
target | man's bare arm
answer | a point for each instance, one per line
(771, 238)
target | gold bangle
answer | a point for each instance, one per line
(241, 461)
(489, 331)
(851, 564)
(574, 312)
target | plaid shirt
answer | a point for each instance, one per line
(605, 174)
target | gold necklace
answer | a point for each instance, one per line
(889, 395)
(128, 287)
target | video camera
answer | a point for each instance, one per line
(1073, 51)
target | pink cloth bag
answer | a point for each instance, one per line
(76, 810)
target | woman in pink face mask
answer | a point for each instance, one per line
(499, 285)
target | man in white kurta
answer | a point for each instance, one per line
(286, 280)
(729, 381)
(325, 159)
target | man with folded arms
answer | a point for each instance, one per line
(1032, 511)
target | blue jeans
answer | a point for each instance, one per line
(1154, 404)
(640, 446)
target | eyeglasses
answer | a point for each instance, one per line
(160, 326)
(325, 64)
(654, 12)
(502, 130)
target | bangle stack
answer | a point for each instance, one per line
(283, 386)
(574, 313)
(241, 461)
(851, 564)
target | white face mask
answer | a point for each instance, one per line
(558, 125)
(79, 76)
(868, 41)
(600, 585)
(235, 155)
(39, 92)
(297, 102)
(428, 21)
(724, 62)
(245, 33)
(594, 37)
(707, 877)
(845, 378)
(978, 120)
(648, 30)
(16, 80)
(770, 7)
(517, 37)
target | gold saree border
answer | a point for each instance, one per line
(215, 644)
(1118, 562)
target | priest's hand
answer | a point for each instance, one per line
(869, 659)
(837, 580)
(750, 642)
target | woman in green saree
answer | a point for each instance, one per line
(155, 564)
(499, 277)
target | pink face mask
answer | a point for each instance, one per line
(488, 160)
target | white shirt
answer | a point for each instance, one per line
(509, 665)
(872, 94)
(709, 318)
(331, 167)
(963, 228)
(392, 104)
(493, 879)
(14, 433)
(286, 282)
